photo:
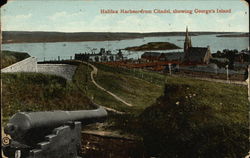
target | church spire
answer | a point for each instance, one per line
(186, 32)
(190, 42)
(187, 43)
(187, 38)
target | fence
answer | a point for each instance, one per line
(212, 72)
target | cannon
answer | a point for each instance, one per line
(48, 134)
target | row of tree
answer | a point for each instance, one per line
(233, 56)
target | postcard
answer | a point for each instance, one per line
(125, 79)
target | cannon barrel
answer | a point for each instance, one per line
(22, 122)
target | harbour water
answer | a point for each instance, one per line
(50, 51)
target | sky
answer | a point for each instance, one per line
(85, 16)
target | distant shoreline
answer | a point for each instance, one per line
(16, 42)
(234, 35)
(10, 37)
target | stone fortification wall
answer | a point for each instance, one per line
(26, 65)
(30, 65)
(63, 70)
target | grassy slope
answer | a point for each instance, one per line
(140, 91)
(227, 100)
(10, 57)
(125, 84)
(216, 102)
(39, 92)
(129, 85)
(197, 119)
(207, 116)
(135, 91)
(82, 80)
(141, 88)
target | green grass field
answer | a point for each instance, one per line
(186, 115)
(138, 89)
(83, 82)
(39, 92)
(178, 115)
(197, 119)
(122, 82)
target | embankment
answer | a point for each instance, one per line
(30, 65)
(26, 65)
(63, 70)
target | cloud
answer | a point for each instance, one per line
(181, 21)
(232, 17)
(235, 21)
(16, 18)
(65, 15)
(129, 23)
(58, 15)
(23, 17)
(146, 23)
(76, 26)
(80, 22)
(15, 22)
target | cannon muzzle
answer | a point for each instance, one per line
(23, 122)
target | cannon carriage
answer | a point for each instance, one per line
(48, 134)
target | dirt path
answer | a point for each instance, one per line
(93, 73)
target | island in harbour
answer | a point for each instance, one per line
(154, 46)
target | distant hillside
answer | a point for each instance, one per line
(32, 37)
(234, 35)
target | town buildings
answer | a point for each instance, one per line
(102, 56)
(191, 55)
(157, 56)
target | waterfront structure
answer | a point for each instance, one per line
(151, 56)
(199, 55)
(102, 56)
